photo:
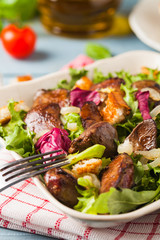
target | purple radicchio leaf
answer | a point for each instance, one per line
(55, 139)
(142, 98)
(78, 97)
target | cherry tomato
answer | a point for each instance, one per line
(18, 42)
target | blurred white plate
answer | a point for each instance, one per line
(145, 22)
(129, 61)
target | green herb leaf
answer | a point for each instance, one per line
(97, 51)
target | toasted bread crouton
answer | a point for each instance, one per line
(84, 83)
(115, 109)
(5, 115)
(87, 166)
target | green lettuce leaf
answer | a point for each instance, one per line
(16, 137)
(23, 144)
(114, 201)
(74, 118)
(105, 162)
(129, 97)
(128, 200)
(96, 151)
(138, 172)
(101, 203)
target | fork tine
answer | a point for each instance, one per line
(27, 159)
(15, 168)
(31, 169)
(33, 174)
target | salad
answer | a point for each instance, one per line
(109, 128)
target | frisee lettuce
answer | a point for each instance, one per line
(124, 129)
(23, 144)
(98, 76)
(89, 195)
(145, 180)
(73, 118)
(75, 74)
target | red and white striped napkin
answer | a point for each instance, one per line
(23, 207)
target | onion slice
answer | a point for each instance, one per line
(155, 95)
(153, 164)
(125, 147)
(72, 109)
(151, 154)
(155, 111)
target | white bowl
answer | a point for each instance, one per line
(130, 61)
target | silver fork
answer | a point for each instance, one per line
(22, 169)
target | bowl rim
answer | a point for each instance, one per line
(71, 212)
(85, 216)
(89, 67)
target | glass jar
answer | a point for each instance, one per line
(78, 18)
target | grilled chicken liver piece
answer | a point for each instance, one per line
(60, 96)
(43, 117)
(111, 82)
(120, 173)
(99, 133)
(144, 135)
(90, 114)
(146, 84)
(62, 186)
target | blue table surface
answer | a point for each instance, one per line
(51, 54)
